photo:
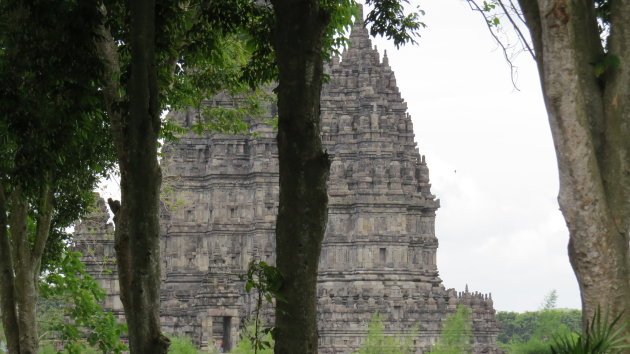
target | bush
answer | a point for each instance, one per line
(246, 346)
(456, 334)
(47, 349)
(182, 345)
(72, 348)
(523, 327)
(600, 336)
(70, 308)
(378, 343)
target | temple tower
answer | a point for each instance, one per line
(220, 198)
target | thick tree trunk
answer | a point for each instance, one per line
(589, 119)
(303, 208)
(137, 217)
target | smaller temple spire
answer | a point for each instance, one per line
(385, 59)
(360, 12)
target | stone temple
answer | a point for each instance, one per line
(220, 198)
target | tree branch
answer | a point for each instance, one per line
(112, 90)
(517, 12)
(532, 19)
(17, 223)
(475, 7)
(43, 226)
(517, 29)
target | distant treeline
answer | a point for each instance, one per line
(521, 327)
(532, 332)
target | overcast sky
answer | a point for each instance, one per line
(491, 159)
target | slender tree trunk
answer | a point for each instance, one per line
(589, 118)
(7, 281)
(303, 209)
(25, 295)
(137, 217)
(23, 254)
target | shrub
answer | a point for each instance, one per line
(600, 336)
(378, 343)
(456, 334)
(182, 345)
(245, 345)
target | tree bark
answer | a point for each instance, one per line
(589, 118)
(7, 281)
(21, 267)
(303, 206)
(136, 217)
(25, 295)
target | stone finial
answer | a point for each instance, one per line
(95, 219)
(360, 14)
(385, 59)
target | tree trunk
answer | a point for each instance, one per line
(589, 116)
(25, 295)
(7, 290)
(22, 256)
(303, 208)
(136, 217)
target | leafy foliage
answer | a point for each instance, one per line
(341, 14)
(550, 300)
(55, 141)
(600, 336)
(50, 99)
(246, 105)
(607, 63)
(378, 342)
(531, 332)
(78, 295)
(534, 332)
(54, 131)
(77, 348)
(456, 334)
(182, 345)
(203, 48)
(388, 19)
(522, 331)
(246, 346)
(266, 280)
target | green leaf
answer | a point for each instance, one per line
(608, 62)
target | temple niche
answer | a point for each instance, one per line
(220, 198)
